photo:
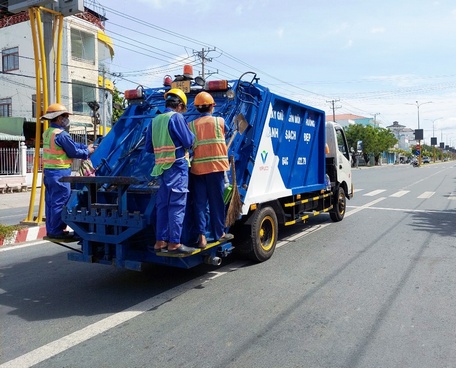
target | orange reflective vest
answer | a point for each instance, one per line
(54, 157)
(164, 148)
(209, 149)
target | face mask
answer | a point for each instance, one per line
(65, 123)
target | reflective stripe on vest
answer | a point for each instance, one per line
(164, 148)
(209, 150)
(54, 157)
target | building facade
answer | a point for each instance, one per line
(85, 64)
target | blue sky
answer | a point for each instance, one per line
(375, 57)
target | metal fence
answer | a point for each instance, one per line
(10, 158)
(10, 163)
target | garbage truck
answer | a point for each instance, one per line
(287, 164)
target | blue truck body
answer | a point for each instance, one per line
(280, 169)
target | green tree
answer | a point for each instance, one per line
(375, 140)
(384, 140)
(118, 103)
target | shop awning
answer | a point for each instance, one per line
(12, 129)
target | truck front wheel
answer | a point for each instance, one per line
(264, 231)
(340, 202)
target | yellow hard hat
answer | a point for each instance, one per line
(55, 110)
(204, 98)
(179, 93)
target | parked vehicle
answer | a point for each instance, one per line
(287, 164)
(425, 160)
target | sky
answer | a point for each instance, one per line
(385, 59)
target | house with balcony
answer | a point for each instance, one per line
(85, 65)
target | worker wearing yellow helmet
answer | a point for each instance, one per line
(169, 137)
(59, 150)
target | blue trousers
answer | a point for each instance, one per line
(208, 190)
(56, 196)
(171, 202)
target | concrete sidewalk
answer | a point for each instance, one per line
(30, 231)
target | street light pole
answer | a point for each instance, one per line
(419, 140)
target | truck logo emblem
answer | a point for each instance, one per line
(264, 155)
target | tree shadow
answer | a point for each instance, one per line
(442, 223)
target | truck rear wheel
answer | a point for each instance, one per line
(340, 202)
(264, 231)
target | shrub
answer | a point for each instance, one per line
(7, 231)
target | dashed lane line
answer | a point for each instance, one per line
(374, 192)
(400, 193)
(426, 195)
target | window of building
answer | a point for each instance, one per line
(34, 105)
(10, 59)
(6, 105)
(82, 46)
(82, 93)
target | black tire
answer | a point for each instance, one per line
(340, 202)
(263, 231)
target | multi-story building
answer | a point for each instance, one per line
(85, 64)
(349, 119)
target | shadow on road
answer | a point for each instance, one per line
(441, 223)
(50, 287)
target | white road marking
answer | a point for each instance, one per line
(400, 193)
(374, 192)
(404, 210)
(426, 195)
(28, 244)
(367, 205)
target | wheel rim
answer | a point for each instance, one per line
(267, 233)
(341, 203)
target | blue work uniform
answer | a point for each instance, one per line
(207, 175)
(56, 192)
(172, 194)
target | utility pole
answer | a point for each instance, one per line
(202, 55)
(334, 107)
(375, 118)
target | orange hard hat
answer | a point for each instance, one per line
(204, 99)
(55, 110)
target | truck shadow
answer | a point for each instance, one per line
(51, 287)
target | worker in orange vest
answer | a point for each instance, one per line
(210, 161)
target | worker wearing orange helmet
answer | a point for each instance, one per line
(59, 150)
(210, 161)
(169, 138)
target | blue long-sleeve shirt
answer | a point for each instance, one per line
(71, 148)
(178, 130)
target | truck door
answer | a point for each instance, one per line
(343, 159)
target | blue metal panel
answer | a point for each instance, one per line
(298, 136)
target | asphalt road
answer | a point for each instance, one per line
(14, 207)
(375, 290)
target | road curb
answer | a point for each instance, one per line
(24, 235)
